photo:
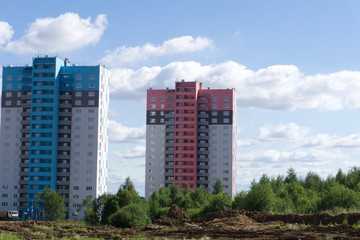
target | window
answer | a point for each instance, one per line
(8, 78)
(91, 85)
(7, 103)
(88, 188)
(226, 105)
(152, 113)
(91, 77)
(153, 99)
(226, 98)
(8, 94)
(91, 102)
(78, 94)
(226, 120)
(8, 86)
(75, 187)
(213, 120)
(226, 113)
(78, 77)
(77, 102)
(91, 94)
(162, 99)
(152, 120)
(78, 85)
(4, 204)
(153, 106)
(214, 99)
(214, 113)
(162, 105)
(214, 106)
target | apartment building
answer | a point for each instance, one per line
(54, 119)
(190, 137)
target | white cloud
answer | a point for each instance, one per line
(64, 33)
(325, 140)
(282, 132)
(275, 156)
(182, 44)
(280, 87)
(120, 133)
(6, 33)
(136, 152)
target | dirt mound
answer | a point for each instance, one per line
(308, 219)
(176, 216)
(177, 213)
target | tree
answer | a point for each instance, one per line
(53, 205)
(110, 207)
(291, 177)
(218, 187)
(218, 203)
(260, 198)
(127, 194)
(133, 215)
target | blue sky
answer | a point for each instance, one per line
(295, 66)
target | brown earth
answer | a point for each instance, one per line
(229, 224)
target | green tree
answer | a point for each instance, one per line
(176, 195)
(111, 205)
(219, 202)
(218, 187)
(260, 198)
(53, 205)
(239, 201)
(291, 177)
(127, 194)
(133, 215)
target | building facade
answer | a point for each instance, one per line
(54, 119)
(190, 138)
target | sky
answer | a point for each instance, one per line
(294, 64)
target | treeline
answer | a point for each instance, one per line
(288, 194)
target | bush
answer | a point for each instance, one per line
(218, 203)
(133, 215)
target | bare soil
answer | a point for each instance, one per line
(229, 224)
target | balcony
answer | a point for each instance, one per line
(24, 164)
(64, 122)
(203, 152)
(25, 122)
(203, 115)
(64, 114)
(63, 165)
(169, 137)
(68, 139)
(65, 97)
(23, 174)
(203, 122)
(169, 115)
(24, 148)
(66, 157)
(26, 114)
(203, 130)
(202, 181)
(202, 174)
(169, 130)
(64, 148)
(63, 191)
(203, 144)
(64, 130)
(202, 166)
(65, 105)
(63, 174)
(203, 137)
(24, 190)
(24, 156)
(24, 130)
(169, 174)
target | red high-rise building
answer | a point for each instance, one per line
(190, 137)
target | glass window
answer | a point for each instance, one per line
(214, 99)
(226, 105)
(226, 98)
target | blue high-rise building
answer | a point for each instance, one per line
(54, 119)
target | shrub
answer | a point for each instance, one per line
(133, 215)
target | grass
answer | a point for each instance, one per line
(9, 236)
